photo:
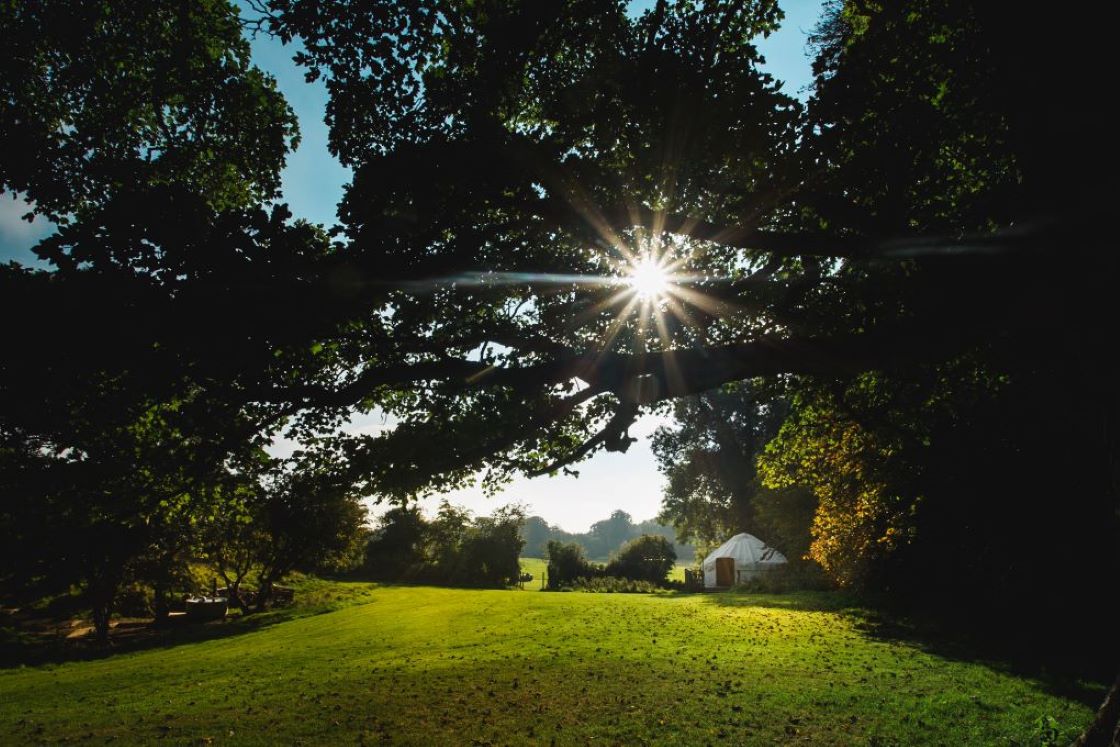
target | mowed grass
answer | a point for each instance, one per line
(418, 665)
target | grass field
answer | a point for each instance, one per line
(420, 665)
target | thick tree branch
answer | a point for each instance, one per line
(507, 438)
(612, 436)
(651, 377)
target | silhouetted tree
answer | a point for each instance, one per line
(397, 544)
(709, 457)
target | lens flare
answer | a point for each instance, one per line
(648, 279)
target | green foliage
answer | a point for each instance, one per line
(604, 539)
(566, 564)
(1047, 732)
(471, 137)
(931, 486)
(279, 522)
(926, 218)
(453, 548)
(647, 558)
(708, 457)
(397, 545)
(107, 503)
(796, 575)
(308, 522)
(892, 80)
(613, 584)
(492, 547)
(536, 532)
(144, 131)
(135, 600)
(860, 520)
(105, 97)
(784, 517)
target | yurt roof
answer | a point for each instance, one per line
(746, 548)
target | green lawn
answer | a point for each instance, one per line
(424, 666)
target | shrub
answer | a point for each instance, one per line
(647, 558)
(793, 576)
(614, 585)
(452, 549)
(566, 564)
(490, 550)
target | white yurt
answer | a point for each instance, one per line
(739, 559)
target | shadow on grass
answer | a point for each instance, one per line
(130, 637)
(801, 601)
(1020, 653)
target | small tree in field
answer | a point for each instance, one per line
(566, 563)
(291, 521)
(310, 524)
(397, 544)
(491, 549)
(647, 558)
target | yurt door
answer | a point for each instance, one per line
(725, 571)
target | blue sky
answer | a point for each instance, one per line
(312, 186)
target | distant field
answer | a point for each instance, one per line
(424, 666)
(535, 566)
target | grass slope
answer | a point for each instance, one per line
(426, 666)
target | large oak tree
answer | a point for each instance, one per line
(515, 164)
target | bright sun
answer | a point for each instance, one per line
(648, 279)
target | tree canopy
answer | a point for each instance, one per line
(101, 96)
(516, 163)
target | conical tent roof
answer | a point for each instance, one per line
(750, 553)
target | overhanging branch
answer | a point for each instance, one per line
(643, 378)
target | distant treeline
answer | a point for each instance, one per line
(604, 539)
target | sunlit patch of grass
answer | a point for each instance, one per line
(535, 566)
(421, 665)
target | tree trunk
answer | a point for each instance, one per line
(102, 592)
(234, 590)
(162, 608)
(264, 595)
(1105, 729)
(236, 598)
(102, 613)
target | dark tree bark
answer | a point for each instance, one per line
(162, 608)
(233, 591)
(102, 593)
(1105, 729)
